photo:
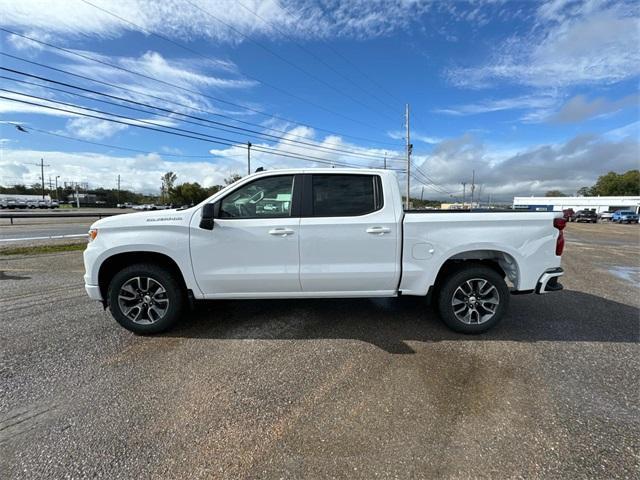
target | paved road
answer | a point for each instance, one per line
(29, 230)
(309, 389)
(18, 234)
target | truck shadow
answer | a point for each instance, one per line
(389, 323)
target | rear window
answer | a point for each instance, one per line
(345, 195)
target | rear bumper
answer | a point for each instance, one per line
(93, 291)
(549, 281)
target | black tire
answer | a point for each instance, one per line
(459, 278)
(173, 294)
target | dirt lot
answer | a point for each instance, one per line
(308, 389)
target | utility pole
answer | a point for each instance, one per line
(248, 158)
(385, 160)
(464, 193)
(422, 194)
(42, 175)
(50, 188)
(118, 196)
(57, 193)
(473, 187)
(77, 197)
(41, 165)
(409, 147)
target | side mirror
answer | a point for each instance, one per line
(209, 212)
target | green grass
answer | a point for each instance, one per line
(40, 249)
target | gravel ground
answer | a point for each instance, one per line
(333, 388)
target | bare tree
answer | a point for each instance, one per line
(168, 180)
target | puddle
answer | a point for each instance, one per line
(627, 274)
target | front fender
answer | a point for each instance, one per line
(173, 243)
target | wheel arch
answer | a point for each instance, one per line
(117, 262)
(502, 262)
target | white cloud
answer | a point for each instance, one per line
(530, 170)
(93, 129)
(630, 131)
(574, 43)
(141, 173)
(179, 71)
(179, 19)
(536, 101)
(24, 45)
(415, 136)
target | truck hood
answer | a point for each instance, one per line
(144, 219)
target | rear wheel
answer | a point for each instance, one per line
(473, 299)
(145, 298)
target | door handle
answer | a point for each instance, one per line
(378, 230)
(281, 232)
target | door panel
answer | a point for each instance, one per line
(354, 253)
(254, 245)
(247, 256)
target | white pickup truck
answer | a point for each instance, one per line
(310, 233)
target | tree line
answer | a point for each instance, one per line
(611, 184)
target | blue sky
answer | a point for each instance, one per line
(533, 96)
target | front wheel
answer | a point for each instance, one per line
(473, 299)
(145, 298)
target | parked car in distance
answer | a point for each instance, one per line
(125, 205)
(320, 233)
(624, 216)
(568, 214)
(605, 216)
(32, 203)
(54, 204)
(589, 216)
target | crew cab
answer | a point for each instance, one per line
(313, 233)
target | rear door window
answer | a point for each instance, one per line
(335, 195)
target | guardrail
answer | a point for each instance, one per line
(98, 215)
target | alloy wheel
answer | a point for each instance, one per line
(475, 301)
(143, 300)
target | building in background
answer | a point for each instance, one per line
(557, 204)
(84, 198)
(458, 206)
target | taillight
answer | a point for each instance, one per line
(559, 223)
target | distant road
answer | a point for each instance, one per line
(28, 233)
(27, 229)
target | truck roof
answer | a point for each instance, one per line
(326, 170)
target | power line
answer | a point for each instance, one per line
(219, 125)
(148, 77)
(189, 49)
(310, 52)
(345, 59)
(190, 107)
(430, 181)
(169, 130)
(116, 147)
(283, 59)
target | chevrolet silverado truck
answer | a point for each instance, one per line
(316, 233)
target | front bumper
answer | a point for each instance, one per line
(93, 291)
(549, 281)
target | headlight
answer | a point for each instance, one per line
(93, 233)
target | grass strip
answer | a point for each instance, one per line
(40, 249)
